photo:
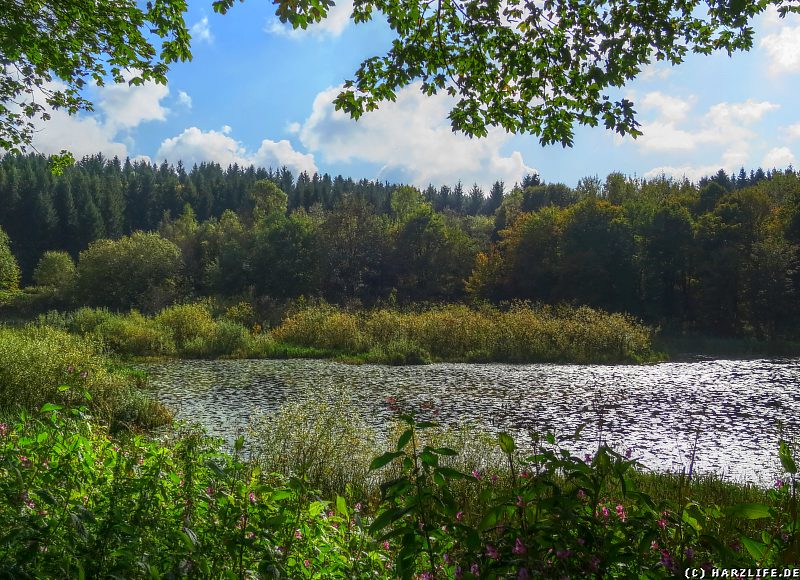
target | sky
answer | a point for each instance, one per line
(258, 92)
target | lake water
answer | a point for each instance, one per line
(735, 408)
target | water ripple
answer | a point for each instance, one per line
(734, 407)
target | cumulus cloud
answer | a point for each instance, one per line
(331, 26)
(123, 107)
(184, 99)
(724, 128)
(782, 47)
(201, 31)
(411, 140)
(194, 145)
(792, 132)
(126, 106)
(779, 158)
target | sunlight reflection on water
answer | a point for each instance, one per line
(655, 409)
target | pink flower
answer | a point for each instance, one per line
(386, 544)
(621, 513)
(476, 474)
(459, 516)
(779, 483)
(209, 491)
(491, 551)
(581, 494)
(358, 507)
(298, 535)
(306, 563)
(520, 501)
(447, 558)
(25, 461)
(252, 497)
(524, 474)
(662, 523)
(3, 429)
(494, 479)
(474, 569)
(519, 548)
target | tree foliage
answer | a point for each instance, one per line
(50, 50)
(528, 67)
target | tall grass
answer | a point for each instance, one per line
(523, 333)
(35, 361)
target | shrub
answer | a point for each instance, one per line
(187, 323)
(36, 361)
(135, 334)
(55, 270)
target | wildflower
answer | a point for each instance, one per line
(298, 535)
(524, 474)
(779, 484)
(594, 563)
(689, 553)
(491, 551)
(662, 523)
(520, 501)
(3, 429)
(587, 458)
(476, 474)
(666, 560)
(494, 479)
(84, 374)
(523, 574)
(458, 573)
(654, 545)
(27, 500)
(24, 461)
(784, 537)
(519, 548)
(563, 554)
(70, 369)
(628, 453)
(426, 576)
(474, 569)
(621, 513)
(459, 516)
(250, 535)
(209, 491)
(306, 563)
(447, 559)
(386, 544)
(252, 497)
(605, 511)
(581, 494)
(358, 507)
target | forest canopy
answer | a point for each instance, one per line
(528, 67)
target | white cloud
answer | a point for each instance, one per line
(782, 45)
(123, 106)
(779, 158)
(201, 30)
(411, 140)
(226, 129)
(196, 146)
(655, 71)
(725, 128)
(184, 99)
(792, 132)
(126, 106)
(331, 26)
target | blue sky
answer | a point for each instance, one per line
(258, 92)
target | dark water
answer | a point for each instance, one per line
(735, 407)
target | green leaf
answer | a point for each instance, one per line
(506, 443)
(749, 511)
(787, 461)
(47, 407)
(382, 460)
(341, 506)
(387, 517)
(755, 548)
(404, 438)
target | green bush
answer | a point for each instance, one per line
(135, 334)
(36, 361)
(187, 323)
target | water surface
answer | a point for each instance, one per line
(733, 407)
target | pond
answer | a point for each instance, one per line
(733, 409)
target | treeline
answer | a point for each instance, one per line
(718, 257)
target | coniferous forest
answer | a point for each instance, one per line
(718, 257)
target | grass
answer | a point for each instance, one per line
(521, 333)
(35, 361)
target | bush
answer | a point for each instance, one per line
(36, 361)
(134, 334)
(187, 323)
